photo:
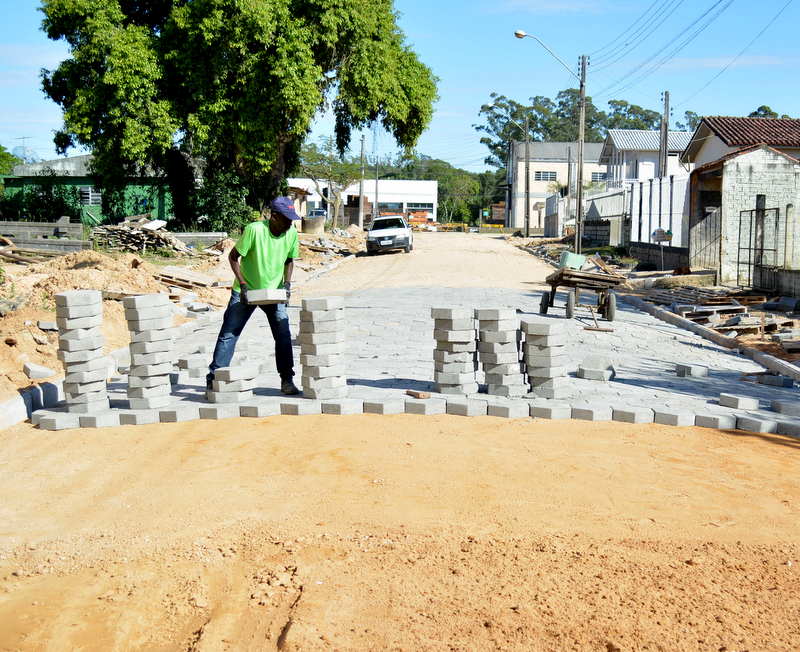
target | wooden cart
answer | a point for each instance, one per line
(598, 282)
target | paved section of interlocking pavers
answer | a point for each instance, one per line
(389, 349)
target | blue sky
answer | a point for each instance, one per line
(470, 46)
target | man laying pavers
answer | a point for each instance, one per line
(262, 259)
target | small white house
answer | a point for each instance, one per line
(632, 155)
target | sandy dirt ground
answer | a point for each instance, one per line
(399, 532)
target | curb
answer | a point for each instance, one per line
(764, 359)
(328, 268)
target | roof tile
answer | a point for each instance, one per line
(781, 132)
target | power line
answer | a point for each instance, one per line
(638, 37)
(736, 58)
(626, 30)
(641, 72)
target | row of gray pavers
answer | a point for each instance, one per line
(785, 419)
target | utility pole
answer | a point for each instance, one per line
(581, 137)
(361, 188)
(663, 152)
(569, 185)
(375, 210)
(527, 176)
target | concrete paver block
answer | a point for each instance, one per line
(454, 358)
(46, 325)
(37, 371)
(221, 411)
(321, 327)
(185, 412)
(323, 372)
(228, 397)
(495, 314)
(85, 344)
(505, 379)
(755, 424)
(234, 385)
(69, 357)
(320, 316)
(791, 408)
(592, 412)
(147, 392)
(498, 337)
(265, 297)
(467, 407)
(546, 341)
(504, 369)
(150, 402)
(789, 427)
(719, 421)
(76, 312)
(500, 326)
(105, 362)
(38, 415)
(325, 394)
(333, 337)
(78, 297)
(541, 328)
(83, 389)
(454, 324)
(149, 381)
(79, 334)
(151, 369)
(455, 367)
(549, 383)
(141, 301)
(453, 379)
(198, 361)
(498, 347)
(243, 372)
(674, 417)
(323, 383)
(144, 359)
(454, 336)
(552, 411)
(257, 410)
(86, 376)
(510, 391)
(143, 314)
(152, 335)
(543, 373)
(385, 406)
(452, 313)
(427, 406)
(553, 393)
(150, 324)
(138, 417)
(738, 402)
(336, 348)
(602, 375)
(322, 303)
(301, 407)
(510, 410)
(633, 414)
(776, 381)
(65, 323)
(88, 407)
(63, 421)
(691, 370)
(499, 358)
(457, 347)
(469, 388)
(100, 420)
(343, 406)
(321, 360)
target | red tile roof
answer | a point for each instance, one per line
(780, 132)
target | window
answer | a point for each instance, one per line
(417, 206)
(598, 176)
(544, 176)
(396, 206)
(90, 196)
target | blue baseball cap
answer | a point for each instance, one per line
(285, 206)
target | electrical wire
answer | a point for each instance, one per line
(638, 74)
(626, 30)
(644, 32)
(736, 58)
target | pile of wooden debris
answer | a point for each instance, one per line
(138, 234)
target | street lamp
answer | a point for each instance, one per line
(581, 130)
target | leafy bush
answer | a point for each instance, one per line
(45, 201)
(222, 204)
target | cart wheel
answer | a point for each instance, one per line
(545, 303)
(611, 307)
(570, 305)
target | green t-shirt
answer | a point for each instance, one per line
(264, 255)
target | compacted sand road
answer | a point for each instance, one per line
(400, 532)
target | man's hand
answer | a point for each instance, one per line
(243, 293)
(287, 285)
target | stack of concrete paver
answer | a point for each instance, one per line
(454, 359)
(546, 359)
(150, 320)
(498, 348)
(322, 347)
(79, 315)
(231, 387)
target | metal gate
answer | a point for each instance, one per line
(760, 249)
(704, 240)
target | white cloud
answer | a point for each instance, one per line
(717, 63)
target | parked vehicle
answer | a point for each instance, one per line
(315, 213)
(388, 233)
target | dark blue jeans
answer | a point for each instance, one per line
(233, 323)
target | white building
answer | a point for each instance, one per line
(548, 167)
(632, 155)
(394, 195)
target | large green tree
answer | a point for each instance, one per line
(7, 161)
(231, 84)
(622, 115)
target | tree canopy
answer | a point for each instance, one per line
(229, 86)
(766, 112)
(554, 120)
(7, 161)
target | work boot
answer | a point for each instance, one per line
(288, 388)
(209, 382)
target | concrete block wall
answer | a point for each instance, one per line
(651, 253)
(61, 228)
